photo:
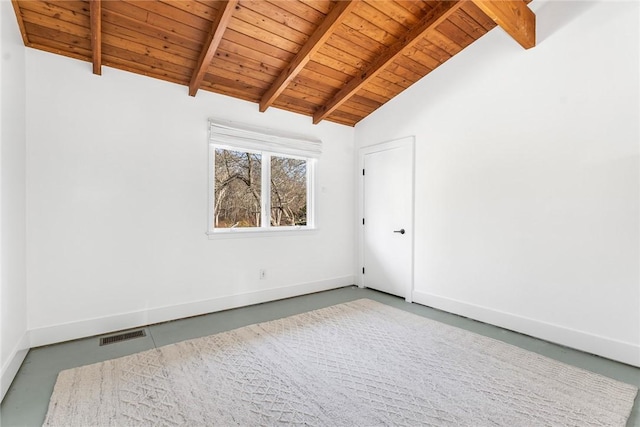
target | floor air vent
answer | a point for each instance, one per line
(123, 337)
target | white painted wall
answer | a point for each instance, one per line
(527, 183)
(117, 205)
(13, 292)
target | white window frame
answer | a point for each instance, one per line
(232, 136)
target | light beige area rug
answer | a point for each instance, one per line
(355, 364)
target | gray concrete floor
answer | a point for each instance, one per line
(26, 402)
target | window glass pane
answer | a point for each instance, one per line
(237, 189)
(288, 191)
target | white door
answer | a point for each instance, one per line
(387, 230)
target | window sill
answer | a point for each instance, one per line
(235, 233)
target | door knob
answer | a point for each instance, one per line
(401, 231)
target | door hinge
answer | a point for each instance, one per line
(362, 172)
(362, 221)
(362, 270)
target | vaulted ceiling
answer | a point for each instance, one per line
(331, 60)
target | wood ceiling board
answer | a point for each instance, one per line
(21, 26)
(399, 14)
(42, 27)
(381, 89)
(260, 35)
(329, 63)
(380, 19)
(205, 11)
(60, 48)
(324, 73)
(283, 17)
(321, 90)
(340, 60)
(154, 26)
(443, 42)
(160, 55)
(165, 39)
(265, 24)
(455, 34)
(319, 95)
(393, 82)
(230, 87)
(299, 105)
(393, 87)
(425, 47)
(349, 119)
(365, 99)
(416, 7)
(145, 33)
(419, 64)
(419, 56)
(366, 54)
(340, 121)
(324, 76)
(304, 10)
(139, 11)
(167, 11)
(58, 11)
(310, 80)
(359, 40)
(237, 53)
(356, 109)
(305, 102)
(322, 6)
(306, 92)
(145, 64)
(253, 64)
(231, 71)
(396, 73)
(42, 17)
(374, 96)
(113, 27)
(368, 29)
(131, 66)
(46, 35)
(242, 72)
(262, 48)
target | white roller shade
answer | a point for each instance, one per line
(239, 136)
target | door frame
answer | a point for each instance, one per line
(362, 152)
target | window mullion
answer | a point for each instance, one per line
(266, 191)
(310, 193)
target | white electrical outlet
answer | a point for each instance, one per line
(263, 273)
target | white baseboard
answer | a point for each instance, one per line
(98, 326)
(620, 351)
(11, 366)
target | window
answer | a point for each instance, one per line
(259, 181)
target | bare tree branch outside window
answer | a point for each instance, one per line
(237, 189)
(288, 191)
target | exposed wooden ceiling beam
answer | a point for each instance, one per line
(431, 20)
(333, 19)
(514, 17)
(211, 44)
(95, 17)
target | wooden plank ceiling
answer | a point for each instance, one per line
(331, 60)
